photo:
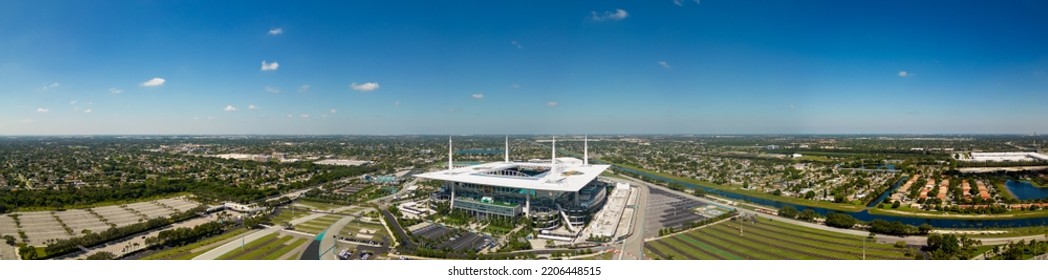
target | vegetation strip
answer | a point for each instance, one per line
(707, 240)
(870, 246)
(728, 237)
(810, 254)
(811, 243)
(250, 246)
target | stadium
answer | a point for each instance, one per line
(557, 192)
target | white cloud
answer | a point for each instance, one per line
(251, 107)
(678, 2)
(664, 64)
(154, 82)
(42, 110)
(230, 108)
(303, 88)
(72, 102)
(270, 89)
(516, 44)
(276, 31)
(333, 111)
(270, 66)
(514, 86)
(478, 95)
(304, 116)
(396, 103)
(51, 86)
(115, 91)
(552, 104)
(369, 86)
(88, 110)
(617, 15)
(904, 74)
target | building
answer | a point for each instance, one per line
(560, 191)
(1007, 156)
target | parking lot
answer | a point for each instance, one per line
(454, 239)
(7, 226)
(80, 220)
(666, 209)
(43, 226)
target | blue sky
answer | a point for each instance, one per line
(438, 67)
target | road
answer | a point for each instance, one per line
(633, 246)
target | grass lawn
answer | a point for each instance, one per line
(269, 247)
(317, 225)
(286, 215)
(767, 240)
(353, 229)
(190, 251)
(351, 210)
(317, 205)
(983, 249)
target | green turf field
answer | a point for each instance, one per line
(767, 240)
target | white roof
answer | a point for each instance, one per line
(571, 177)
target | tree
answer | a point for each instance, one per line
(896, 204)
(10, 240)
(101, 256)
(924, 228)
(900, 244)
(839, 220)
(788, 212)
(807, 215)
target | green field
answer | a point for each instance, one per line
(190, 251)
(269, 247)
(286, 215)
(378, 232)
(317, 205)
(767, 240)
(317, 225)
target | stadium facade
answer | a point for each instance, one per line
(559, 191)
